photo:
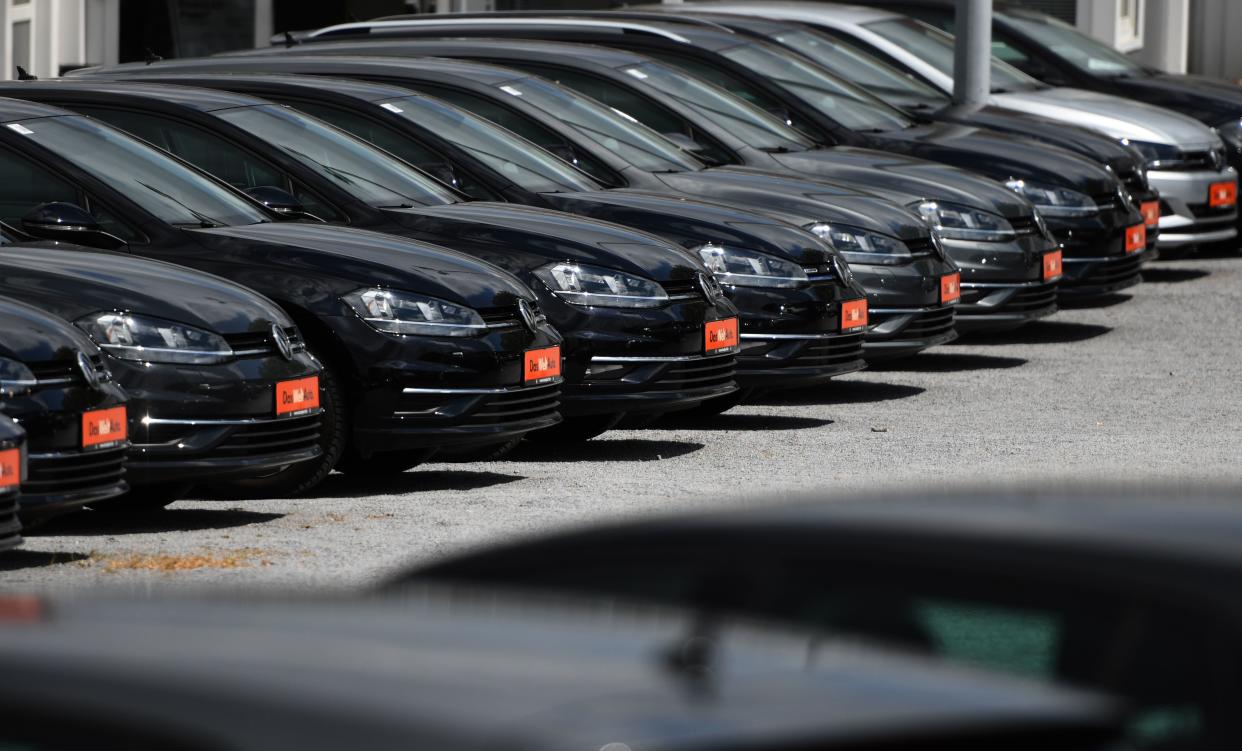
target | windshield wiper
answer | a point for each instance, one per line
(204, 221)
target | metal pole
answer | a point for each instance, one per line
(972, 54)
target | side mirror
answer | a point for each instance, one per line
(683, 141)
(277, 199)
(66, 222)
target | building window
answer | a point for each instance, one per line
(1129, 25)
(21, 44)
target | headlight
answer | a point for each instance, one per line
(594, 285)
(1157, 155)
(746, 268)
(957, 222)
(146, 339)
(1054, 201)
(1231, 134)
(395, 312)
(15, 377)
(861, 246)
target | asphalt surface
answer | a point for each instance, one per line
(1144, 389)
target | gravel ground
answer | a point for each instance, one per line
(1143, 389)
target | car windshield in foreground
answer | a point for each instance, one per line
(159, 184)
(935, 47)
(617, 132)
(366, 173)
(1076, 48)
(842, 101)
(749, 123)
(862, 68)
(506, 152)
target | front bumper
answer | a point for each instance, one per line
(1186, 218)
(1002, 282)
(1001, 307)
(1102, 275)
(649, 383)
(10, 525)
(901, 332)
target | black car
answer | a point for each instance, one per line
(12, 469)
(53, 383)
(789, 285)
(892, 252)
(208, 366)
(1130, 594)
(421, 347)
(1085, 205)
(473, 670)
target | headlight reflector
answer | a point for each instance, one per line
(148, 339)
(396, 312)
(1053, 200)
(747, 268)
(863, 246)
(15, 377)
(582, 284)
(954, 221)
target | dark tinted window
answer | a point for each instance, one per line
(24, 185)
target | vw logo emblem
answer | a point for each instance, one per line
(528, 315)
(711, 287)
(88, 370)
(283, 345)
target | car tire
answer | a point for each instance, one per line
(144, 498)
(576, 429)
(301, 477)
(489, 453)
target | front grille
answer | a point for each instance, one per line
(824, 272)
(682, 288)
(701, 373)
(272, 437)
(1106, 201)
(1024, 225)
(1033, 298)
(502, 317)
(923, 246)
(1114, 270)
(10, 527)
(1202, 159)
(60, 373)
(518, 405)
(73, 472)
(1134, 181)
(261, 343)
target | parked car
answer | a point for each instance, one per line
(467, 671)
(53, 383)
(12, 470)
(1185, 159)
(1131, 594)
(411, 362)
(790, 287)
(210, 368)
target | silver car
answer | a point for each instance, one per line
(1185, 158)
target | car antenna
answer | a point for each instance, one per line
(22, 75)
(151, 57)
(289, 40)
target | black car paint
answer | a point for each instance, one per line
(61, 475)
(12, 439)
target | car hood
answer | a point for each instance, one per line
(1115, 116)
(1210, 100)
(906, 180)
(31, 335)
(691, 223)
(1088, 143)
(522, 238)
(1002, 156)
(341, 260)
(75, 283)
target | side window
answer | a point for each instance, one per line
(1009, 53)
(24, 185)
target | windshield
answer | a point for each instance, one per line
(504, 151)
(749, 123)
(862, 68)
(936, 48)
(159, 184)
(1076, 48)
(842, 101)
(366, 173)
(618, 133)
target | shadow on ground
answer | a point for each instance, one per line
(608, 450)
(740, 421)
(948, 362)
(417, 480)
(840, 392)
(88, 523)
(1166, 275)
(1043, 332)
(18, 560)
(1103, 301)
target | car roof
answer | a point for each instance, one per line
(203, 100)
(608, 56)
(367, 91)
(534, 673)
(850, 14)
(19, 109)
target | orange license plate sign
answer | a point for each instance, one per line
(104, 427)
(542, 365)
(1052, 265)
(1136, 238)
(1151, 213)
(853, 314)
(10, 469)
(950, 288)
(720, 336)
(297, 397)
(1223, 193)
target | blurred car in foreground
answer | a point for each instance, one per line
(477, 671)
(1133, 596)
(12, 467)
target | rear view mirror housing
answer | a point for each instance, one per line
(280, 201)
(67, 222)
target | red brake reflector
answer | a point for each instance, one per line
(1223, 193)
(720, 336)
(1052, 264)
(853, 314)
(10, 468)
(293, 397)
(1151, 213)
(104, 427)
(1136, 238)
(541, 365)
(950, 288)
